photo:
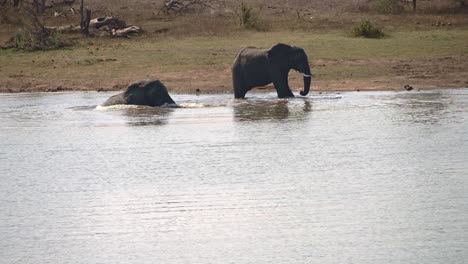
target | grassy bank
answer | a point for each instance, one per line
(188, 63)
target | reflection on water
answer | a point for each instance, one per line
(253, 110)
(369, 177)
(142, 115)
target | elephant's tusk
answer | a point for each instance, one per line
(305, 75)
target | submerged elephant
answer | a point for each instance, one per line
(146, 92)
(254, 67)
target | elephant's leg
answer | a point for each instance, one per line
(239, 94)
(282, 88)
(240, 88)
(287, 92)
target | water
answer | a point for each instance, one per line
(375, 177)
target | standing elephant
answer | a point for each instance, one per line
(254, 67)
(146, 92)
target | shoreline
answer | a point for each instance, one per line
(192, 86)
(329, 87)
(268, 90)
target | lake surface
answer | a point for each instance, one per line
(358, 177)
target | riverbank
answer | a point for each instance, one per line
(427, 59)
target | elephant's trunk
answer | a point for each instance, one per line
(307, 78)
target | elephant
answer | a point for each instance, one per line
(146, 92)
(254, 67)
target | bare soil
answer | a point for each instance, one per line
(425, 73)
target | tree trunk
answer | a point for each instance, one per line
(81, 13)
(85, 18)
(85, 22)
(36, 6)
(43, 6)
(414, 5)
(16, 3)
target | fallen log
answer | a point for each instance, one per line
(101, 26)
(113, 22)
(125, 32)
(66, 29)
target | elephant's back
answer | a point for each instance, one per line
(115, 100)
(250, 52)
(248, 55)
(138, 92)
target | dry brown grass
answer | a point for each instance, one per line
(273, 15)
(426, 59)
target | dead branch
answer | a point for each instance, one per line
(125, 32)
(67, 29)
(176, 7)
(63, 3)
(110, 26)
(112, 22)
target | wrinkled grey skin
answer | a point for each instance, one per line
(145, 92)
(254, 67)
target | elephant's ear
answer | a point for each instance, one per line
(279, 51)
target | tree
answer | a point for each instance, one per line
(85, 18)
(183, 6)
(39, 8)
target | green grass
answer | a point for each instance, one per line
(117, 58)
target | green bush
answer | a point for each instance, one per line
(367, 30)
(40, 39)
(247, 17)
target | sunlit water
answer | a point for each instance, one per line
(375, 177)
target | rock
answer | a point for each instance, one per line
(408, 87)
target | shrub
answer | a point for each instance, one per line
(41, 39)
(247, 17)
(35, 35)
(367, 30)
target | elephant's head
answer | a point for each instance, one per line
(148, 92)
(158, 94)
(289, 57)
